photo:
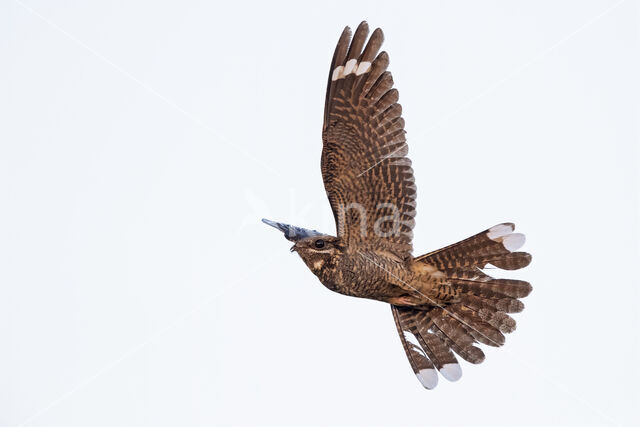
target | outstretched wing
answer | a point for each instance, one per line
(367, 176)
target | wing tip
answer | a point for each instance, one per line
(355, 62)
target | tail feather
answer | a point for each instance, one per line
(475, 326)
(497, 244)
(512, 261)
(491, 302)
(505, 287)
(417, 324)
(479, 312)
(453, 330)
(434, 347)
(420, 363)
(471, 354)
(449, 327)
(441, 354)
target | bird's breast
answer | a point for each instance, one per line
(363, 275)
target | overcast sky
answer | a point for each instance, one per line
(142, 141)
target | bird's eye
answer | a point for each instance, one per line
(319, 244)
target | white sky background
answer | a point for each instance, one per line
(142, 141)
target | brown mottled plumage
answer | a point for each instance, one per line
(442, 302)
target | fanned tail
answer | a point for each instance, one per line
(479, 312)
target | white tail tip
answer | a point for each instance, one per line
(451, 371)
(513, 242)
(500, 230)
(428, 378)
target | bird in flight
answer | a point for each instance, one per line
(443, 302)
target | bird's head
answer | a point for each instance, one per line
(315, 248)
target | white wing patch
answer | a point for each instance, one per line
(363, 67)
(337, 73)
(352, 66)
